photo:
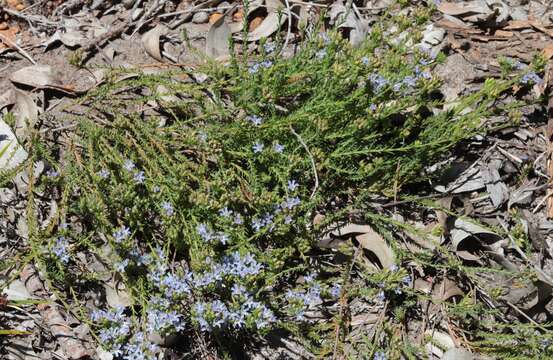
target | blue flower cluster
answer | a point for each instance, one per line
(122, 340)
(138, 176)
(531, 78)
(253, 69)
(60, 249)
(217, 315)
(121, 234)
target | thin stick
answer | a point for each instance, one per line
(289, 32)
(310, 158)
(19, 49)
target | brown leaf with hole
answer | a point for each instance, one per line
(26, 114)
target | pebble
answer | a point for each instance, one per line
(200, 17)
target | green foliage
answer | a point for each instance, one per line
(337, 125)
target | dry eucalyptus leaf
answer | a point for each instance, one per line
(463, 230)
(39, 76)
(217, 39)
(446, 289)
(466, 8)
(369, 241)
(12, 153)
(457, 354)
(271, 23)
(151, 41)
(17, 291)
(116, 294)
(26, 114)
(499, 192)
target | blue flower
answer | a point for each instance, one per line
(288, 219)
(393, 268)
(531, 77)
(156, 189)
(253, 69)
(128, 165)
(225, 212)
(292, 185)
(60, 249)
(159, 320)
(365, 60)
(204, 232)
(406, 280)
(122, 265)
(336, 290)
(380, 355)
(269, 48)
(223, 238)
(372, 107)
(168, 208)
(267, 64)
(381, 296)
(104, 173)
(378, 81)
(254, 119)
(238, 219)
(320, 54)
(139, 177)
(278, 148)
(258, 147)
(410, 81)
(291, 202)
(52, 173)
(121, 234)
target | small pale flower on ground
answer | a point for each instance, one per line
(225, 212)
(278, 148)
(254, 119)
(139, 177)
(258, 147)
(269, 47)
(320, 54)
(129, 165)
(336, 290)
(60, 249)
(168, 208)
(52, 173)
(104, 173)
(121, 234)
(292, 185)
(380, 355)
